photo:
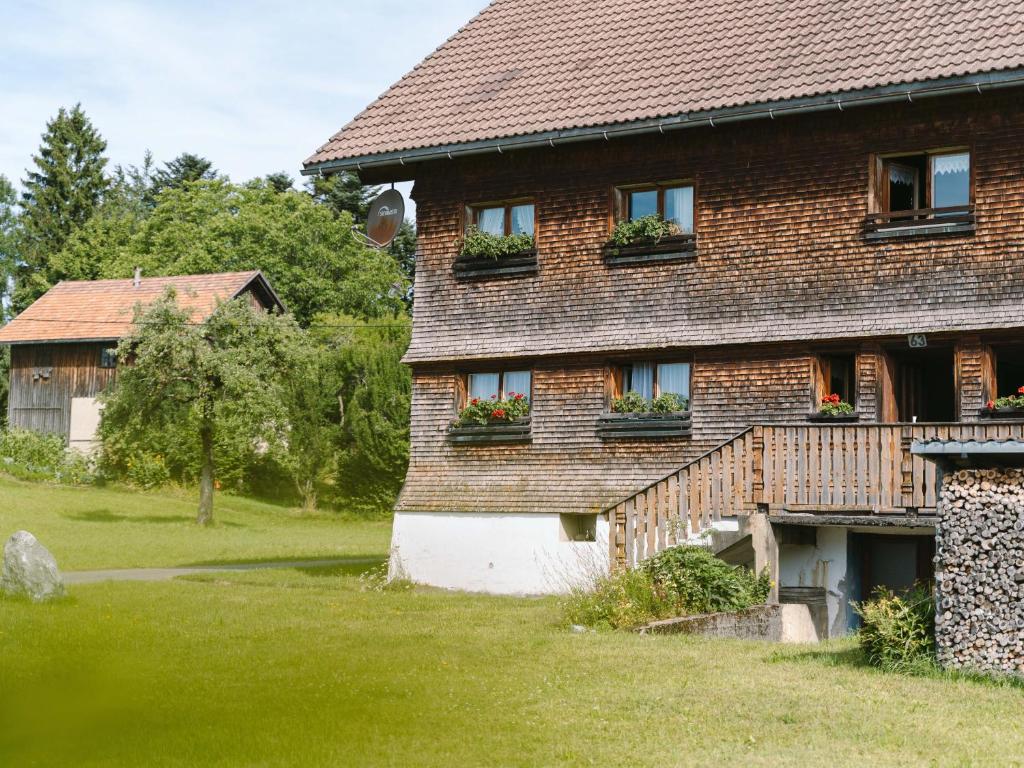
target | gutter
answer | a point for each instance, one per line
(766, 111)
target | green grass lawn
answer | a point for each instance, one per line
(304, 668)
(89, 528)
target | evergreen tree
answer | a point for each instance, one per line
(8, 222)
(280, 181)
(60, 195)
(343, 191)
(185, 168)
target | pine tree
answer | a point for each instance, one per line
(60, 195)
(343, 192)
(185, 168)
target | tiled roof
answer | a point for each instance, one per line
(103, 309)
(535, 66)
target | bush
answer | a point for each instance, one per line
(147, 471)
(33, 456)
(679, 581)
(483, 245)
(898, 634)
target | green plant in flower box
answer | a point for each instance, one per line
(494, 410)
(834, 405)
(1009, 401)
(648, 230)
(478, 244)
(634, 402)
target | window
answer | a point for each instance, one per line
(650, 379)
(837, 377)
(108, 357)
(498, 385)
(505, 219)
(578, 527)
(925, 180)
(672, 202)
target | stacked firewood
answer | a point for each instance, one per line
(980, 570)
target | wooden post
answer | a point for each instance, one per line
(907, 468)
(757, 446)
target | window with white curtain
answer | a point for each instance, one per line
(925, 180)
(498, 385)
(651, 379)
(506, 219)
(671, 202)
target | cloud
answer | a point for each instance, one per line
(254, 86)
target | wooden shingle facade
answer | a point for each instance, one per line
(846, 189)
(783, 273)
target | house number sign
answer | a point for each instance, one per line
(917, 340)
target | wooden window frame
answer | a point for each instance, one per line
(472, 213)
(620, 196)
(616, 375)
(462, 398)
(879, 192)
(105, 358)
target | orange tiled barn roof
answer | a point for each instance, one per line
(524, 67)
(103, 309)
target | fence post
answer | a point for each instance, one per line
(757, 446)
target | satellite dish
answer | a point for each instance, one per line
(387, 212)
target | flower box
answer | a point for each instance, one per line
(833, 418)
(1010, 412)
(517, 431)
(629, 426)
(671, 248)
(470, 268)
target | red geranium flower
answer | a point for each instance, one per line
(1020, 391)
(494, 397)
(474, 401)
(991, 404)
(519, 397)
(498, 413)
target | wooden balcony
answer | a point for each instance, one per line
(863, 471)
(953, 220)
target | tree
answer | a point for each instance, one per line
(309, 255)
(312, 399)
(280, 181)
(226, 373)
(60, 195)
(183, 169)
(376, 390)
(8, 234)
(343, 192)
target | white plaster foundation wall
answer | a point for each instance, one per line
(496, 553)
(85, 424)
(820, 566)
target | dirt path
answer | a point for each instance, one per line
(163, 574)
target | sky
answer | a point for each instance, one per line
(253, 86)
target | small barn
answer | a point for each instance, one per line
(64, 346)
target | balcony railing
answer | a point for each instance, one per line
(866, 470)
(957, 218)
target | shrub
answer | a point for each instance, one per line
(513, 406)
(634, 402)
(679, 581)
(898, 634)
(147, 471)
(648, 229)
(833, 405)
(695, 581)
(33, 456)
(32, 450)
(483, 245)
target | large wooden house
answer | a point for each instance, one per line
(64, 346)
(846, 185)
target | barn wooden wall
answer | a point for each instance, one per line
(45, 405)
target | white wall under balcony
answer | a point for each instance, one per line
(496, 553)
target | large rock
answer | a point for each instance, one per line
(29, 569)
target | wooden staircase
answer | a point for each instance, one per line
(786, 469)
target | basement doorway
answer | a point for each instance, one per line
(924, 384)
(893, 561)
